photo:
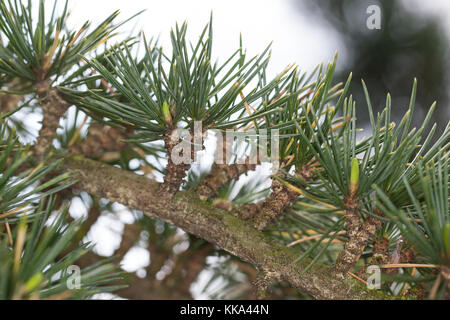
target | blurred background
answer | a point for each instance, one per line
(413, 41)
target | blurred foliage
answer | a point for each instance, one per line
(409, 44)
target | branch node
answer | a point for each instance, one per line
(278, 201)
(53, 108)
(175, 173)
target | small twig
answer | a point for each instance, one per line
(357, 278)
(7, 214)
(248, 106)
(8, 230)
(340, 124)
(78, 132)
(409, 265)
(306, 95)
(71, 43)
(290, 186)
(313, 237)
(278, 97)
(108, 86)
(49, 55)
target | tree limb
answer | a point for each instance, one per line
(223, 229)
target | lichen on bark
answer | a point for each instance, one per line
(218, 227)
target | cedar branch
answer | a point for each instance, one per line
(223, 229)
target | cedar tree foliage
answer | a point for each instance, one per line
(342, 213)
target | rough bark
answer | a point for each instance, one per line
(354, 247)
(358, 234)
(9, 102)
(174, 173)
(267, 211)
(100, 139)
(215, 226)
(53, 108)
(221, 171)
(380, 251)
(220, 175)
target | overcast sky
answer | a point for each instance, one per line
(298, 36)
